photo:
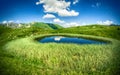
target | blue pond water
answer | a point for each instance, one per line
(61, 39)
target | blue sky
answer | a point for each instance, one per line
(64, 12)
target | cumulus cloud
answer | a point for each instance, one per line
(58, 21)
(67, 13)
(48, 16)
(107, 22)
(71, 24)
(84, 23)
(75, 1)
(17, 21)
(37, 3)
(4, 22)
(60, 7)
(11, 21)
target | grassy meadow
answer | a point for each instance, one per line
(21, 54)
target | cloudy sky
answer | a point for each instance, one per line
(64, 12)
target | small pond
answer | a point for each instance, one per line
(75, 40)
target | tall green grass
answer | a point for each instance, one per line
(29, 57)
(25, 56)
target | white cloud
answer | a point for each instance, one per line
(61, 7)
(84, 23)
(4, 22)
(11, 21)
(71, 24)
(17, 21)
(37, 3)
(58, 21)
(65, 24)
(107, 22)
(75, 1)
(48, 16)
(67, 13)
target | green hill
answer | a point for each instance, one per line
(25, 56)
(54, 26)
(46, 25)
(97, 30)
(44, 28)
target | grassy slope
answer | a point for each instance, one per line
(8, 62)
(46, 25)
(54, 59)
(17, 62)
(55, 26)
(97, 30)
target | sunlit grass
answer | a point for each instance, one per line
(25, 56)
(30, 57)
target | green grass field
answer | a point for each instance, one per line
(20, 54)
(97, 30)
